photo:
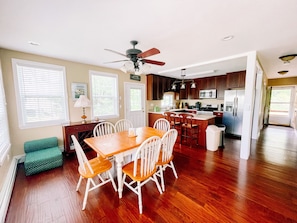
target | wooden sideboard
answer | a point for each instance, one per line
(81, 131)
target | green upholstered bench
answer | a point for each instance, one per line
(41, 155)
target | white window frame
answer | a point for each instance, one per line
(23, 124)
(168, 100)
(116, 95)
(290, 103)
(4, 131)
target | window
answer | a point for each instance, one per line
(41, 94)
(280, 103)
(104, 95)
(167, 101)
(4, 131)
(135, 99)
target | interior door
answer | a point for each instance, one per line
(135, 103)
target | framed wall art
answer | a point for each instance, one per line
(78, 89)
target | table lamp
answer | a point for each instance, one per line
(83, 102)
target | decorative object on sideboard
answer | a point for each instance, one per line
(182, 81)
(83, 102)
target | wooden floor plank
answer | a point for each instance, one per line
(211, 187)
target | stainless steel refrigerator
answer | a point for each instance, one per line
(233, 111)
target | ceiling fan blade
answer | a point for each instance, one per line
(148, 53)
(154, 62)
(116, 61)
(116, 52)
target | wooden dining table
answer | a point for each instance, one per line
(119, 145)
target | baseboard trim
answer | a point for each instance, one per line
(7, 188)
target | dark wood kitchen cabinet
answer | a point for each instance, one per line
(221, 86)
(154, 87)
(208, 83)
(236, 79)
(167, 84)
(193, 93)
(183, 93)
(157, 86)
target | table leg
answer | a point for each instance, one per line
(119, 161)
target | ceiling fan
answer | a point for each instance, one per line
(136, 58)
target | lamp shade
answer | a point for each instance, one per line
(82, 102)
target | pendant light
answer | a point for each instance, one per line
(183, 81)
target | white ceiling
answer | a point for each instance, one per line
(188, 33)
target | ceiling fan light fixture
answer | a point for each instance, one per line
(127, 67)
(145, 68)
(137, 59)
(282, 72)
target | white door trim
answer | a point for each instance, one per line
(127, 86)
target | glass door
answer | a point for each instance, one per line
(135, 104)
(281, 106)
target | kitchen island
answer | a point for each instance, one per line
(202, 120)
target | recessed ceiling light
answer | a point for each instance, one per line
(33, 43)
(227, 38)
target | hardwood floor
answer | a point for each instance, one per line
(212, 187)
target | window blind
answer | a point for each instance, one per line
(41, 94)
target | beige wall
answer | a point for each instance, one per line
(282, 81)
(75, 72)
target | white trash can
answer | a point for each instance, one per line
(222, 135)
(212, 137)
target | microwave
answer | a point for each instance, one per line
(212, 93)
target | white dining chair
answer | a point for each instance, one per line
(143, 168)
(89, 169)
(166, 157)
(162, 124)
(123, 125)
(103, 128)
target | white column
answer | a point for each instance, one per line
(247, 124)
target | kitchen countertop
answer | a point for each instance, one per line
(196, 116)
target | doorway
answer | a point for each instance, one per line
(281, 106)
(135, 103)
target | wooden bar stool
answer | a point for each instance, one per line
(173, 119)
(189, 129)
